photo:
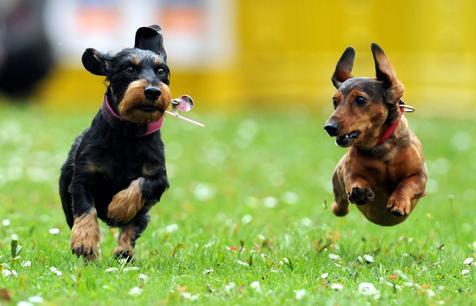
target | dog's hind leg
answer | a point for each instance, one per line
(65, 195)
(128, 236)
(66, 177)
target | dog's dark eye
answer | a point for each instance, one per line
(161, 71)
(360, 101)
(130, 69)
(334, 102)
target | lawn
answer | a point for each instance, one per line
(246, 220)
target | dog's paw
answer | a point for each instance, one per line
(361, 195)
(126, 253)
(85, 237)
(339, 210)
(126, 203)
(399, 207)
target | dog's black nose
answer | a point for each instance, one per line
(152, 93)
(331, 128)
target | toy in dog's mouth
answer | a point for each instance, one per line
(347, 139)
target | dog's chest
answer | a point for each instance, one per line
(386, 173)
(117, 163)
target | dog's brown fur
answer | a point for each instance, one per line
(85, 236)
(134, 96)
(384, 180)
(126, 203)
(125, 241)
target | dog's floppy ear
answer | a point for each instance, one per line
(149, 38)
(344, 67)
(387, 75)
(94, 61)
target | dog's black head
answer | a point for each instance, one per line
(363, 106)
(138, 77)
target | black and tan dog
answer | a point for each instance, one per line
(383, 172)
(116, 167)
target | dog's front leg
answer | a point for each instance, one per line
(141, 192)
(413, 187)
(127, 203)
(154, 187)
(358, 189)
(85, 230)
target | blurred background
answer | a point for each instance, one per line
(259, 72)
(236, 54)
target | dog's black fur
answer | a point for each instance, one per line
(107, 159)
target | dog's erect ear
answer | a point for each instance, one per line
(344, 67)
(387, 75)
(149, 38)
(94, 61)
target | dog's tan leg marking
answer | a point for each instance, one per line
(400, 202)
(85, 236)
(125, 248)
(126, 203)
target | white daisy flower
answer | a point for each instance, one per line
(207, 271)
(54, 231)
(26, 264)
(135, 291)
(171, 228)
(468, 261)
(229, 287)
(246, 219)
(368, 258)
(35, 299)
(189, 296)
(126, 269)
(367, 289)
(256, 285)
(56, 271)
(270, 202)
(299, 294)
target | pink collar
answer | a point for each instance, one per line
(391, 129)
(113, 119)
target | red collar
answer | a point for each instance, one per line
(391, 129)
(114, 119)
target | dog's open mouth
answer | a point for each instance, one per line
(149, 108)
(347, 139)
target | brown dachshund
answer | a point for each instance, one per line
(383, 172)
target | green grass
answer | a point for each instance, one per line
(249, 202)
